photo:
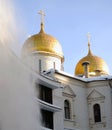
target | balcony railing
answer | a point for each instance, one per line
(47, 106)
(43, 128)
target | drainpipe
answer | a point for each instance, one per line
(86, 64)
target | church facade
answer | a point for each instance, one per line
(79, 102)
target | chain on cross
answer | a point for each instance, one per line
(42, 14)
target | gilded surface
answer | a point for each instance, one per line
(43, 42)
(96, 63)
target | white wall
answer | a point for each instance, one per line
(58, 116)
(47, 62)
(104, 99)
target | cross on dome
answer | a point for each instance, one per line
(42, 14)
(89, 37)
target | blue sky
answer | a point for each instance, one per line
(69, 21)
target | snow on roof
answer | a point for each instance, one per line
(81, 78)
(96, 78)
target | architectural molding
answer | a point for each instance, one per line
(68, 92)
(95, 95)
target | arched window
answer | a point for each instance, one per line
(97, 113)
(67, 109)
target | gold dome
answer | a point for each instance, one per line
(43, 43)
(97, 64)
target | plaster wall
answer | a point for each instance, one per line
(104, 99)
(58, 116)
(40, 62)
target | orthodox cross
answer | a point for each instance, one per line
(42, 14)
(89, 37)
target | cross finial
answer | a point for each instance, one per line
(89, 50)
(42, 14)
(89, 37)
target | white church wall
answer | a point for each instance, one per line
(100, 94)
(42, 62)
(58, 116)
(69, 96)
(80, 107)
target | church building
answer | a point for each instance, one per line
(79, 102)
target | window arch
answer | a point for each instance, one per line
(67, 109)
(97, 113)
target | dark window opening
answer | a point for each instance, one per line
(45, 94)
(47, 119)
(67, 109)
(97, 113)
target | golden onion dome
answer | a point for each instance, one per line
(43, 43)
(96, 65)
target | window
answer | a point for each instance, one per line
(47, 119)
(45, 94)
(97, 113)
(67, 109)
